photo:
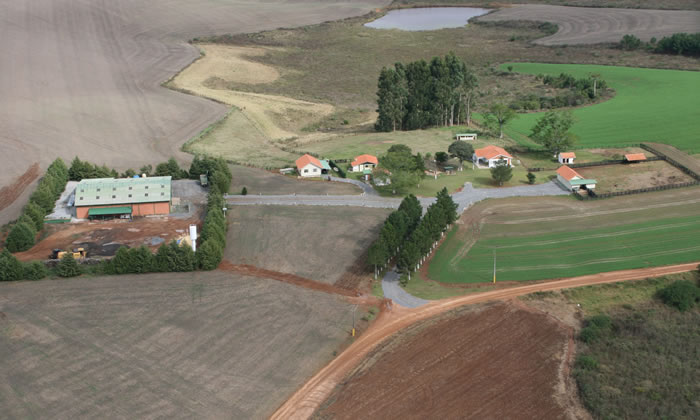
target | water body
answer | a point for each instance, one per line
(426, 18)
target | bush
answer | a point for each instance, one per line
(10, 268)
(121, 263)
(36, 213)
(244, 191)
(530, 178)
(682, 294)
(140, 260)
(630, 42)
(586, 362)
(590, 334)
(681, 44)
(170, 168)
(21, 237)
(35, 270)
(441, 157)
(68, 267)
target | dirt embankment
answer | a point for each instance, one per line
(9, 193)
(493, 361)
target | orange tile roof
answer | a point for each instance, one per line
(568, 155)
(306, 159)
(490, 152)
(359, 160)
(568, 173)
(633, 157)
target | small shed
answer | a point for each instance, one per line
(573, 180)
(635, 157)
(566, 157)
(203, 180)
(364, 162)
(465, 136)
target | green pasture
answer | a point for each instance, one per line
(650, 105)
(580, 250)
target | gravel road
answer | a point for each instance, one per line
(392, 290)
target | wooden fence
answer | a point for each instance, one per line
(672, 161)
(595, 196)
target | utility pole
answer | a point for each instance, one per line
(354, 308)
(494, 266)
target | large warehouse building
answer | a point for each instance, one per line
(110, 197)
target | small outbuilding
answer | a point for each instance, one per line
(635, 157)
(567, 157)
(573, 180)
(363, 163)
(309, 166)
(490, 156)
(465, 136)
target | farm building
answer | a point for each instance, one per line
(573, 180)
(126, 197)
(491, 156)
(465, 136)
(363, 163)
(567, 157)
(308, 166)
(635, 157)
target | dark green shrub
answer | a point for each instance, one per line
(530, 178)
(209, 255)
(586, 362)
(221, 181)
(184, 259)
(36, 213)
(681, 294)
(630, 42)
(590, 334)
(140, 260)
(21, 237)
(68, 266)
(244, 191)
(602, 322)
(35, 270)
(165, 257)
(122, 261)
(10, 268)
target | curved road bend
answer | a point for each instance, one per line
(307, 399)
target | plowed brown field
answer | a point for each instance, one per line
(82, 77)
(493, 361)
(309, 397)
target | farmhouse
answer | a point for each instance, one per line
(567, 157)
(465, 136)
(363, 163)
(573, 181)
(309, 166)
(635, 157)
(491, 156)
(125, 197)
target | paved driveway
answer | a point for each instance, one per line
(393, 290)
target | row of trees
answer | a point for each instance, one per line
(23, 233)
(408, 237)
(421, 94)
(680, 44)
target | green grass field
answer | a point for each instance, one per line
(651, 105)
(536, 249)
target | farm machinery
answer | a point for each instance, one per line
(78, 253)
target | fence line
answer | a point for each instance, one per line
(596, 196)
(670, 160)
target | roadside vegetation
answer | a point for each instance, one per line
(638, 356)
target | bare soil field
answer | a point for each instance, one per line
(612, 178)
(689, 161)
(104, 238)
(82, 78)
(632, 4)
(258, 181)
(588, 25)
(490, 361)
(176, 345)
(317, 243)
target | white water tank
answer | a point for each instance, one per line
(193, 237)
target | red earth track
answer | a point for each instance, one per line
(9, 193)
(310, 396)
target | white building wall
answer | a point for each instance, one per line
(310, 170)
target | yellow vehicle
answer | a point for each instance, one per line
(78, 253)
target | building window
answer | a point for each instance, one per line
(82, 190)
(162, 193)
(114, 189)
(82, 198)
(129, 195)
(97, 198)
(98, 190)
(114, 196)
(162, 186)
(306, 170)
(146, 186)
(129, 187)
(146, 194)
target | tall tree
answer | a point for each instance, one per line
(461, 150)
(552, 131)
(499, 115)
(502, 172)
(378, 254)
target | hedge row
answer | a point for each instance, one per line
(23, 233)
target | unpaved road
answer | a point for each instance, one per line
(308, 398)
(589, 25)
(82, 77)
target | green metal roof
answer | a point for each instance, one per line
(582, 181)
(325, 165)
(103, 211)
(110, 191)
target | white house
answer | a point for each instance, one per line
(573, 180)
(567, 157)
(491, 156)
(465, 136)
(308, 166)
(363, 163)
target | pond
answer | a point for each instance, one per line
(426, 18)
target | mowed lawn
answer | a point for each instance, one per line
(538, 244)
(650, 105)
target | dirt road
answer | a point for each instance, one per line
(308, 398)
(590, 25)
(83, 77)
